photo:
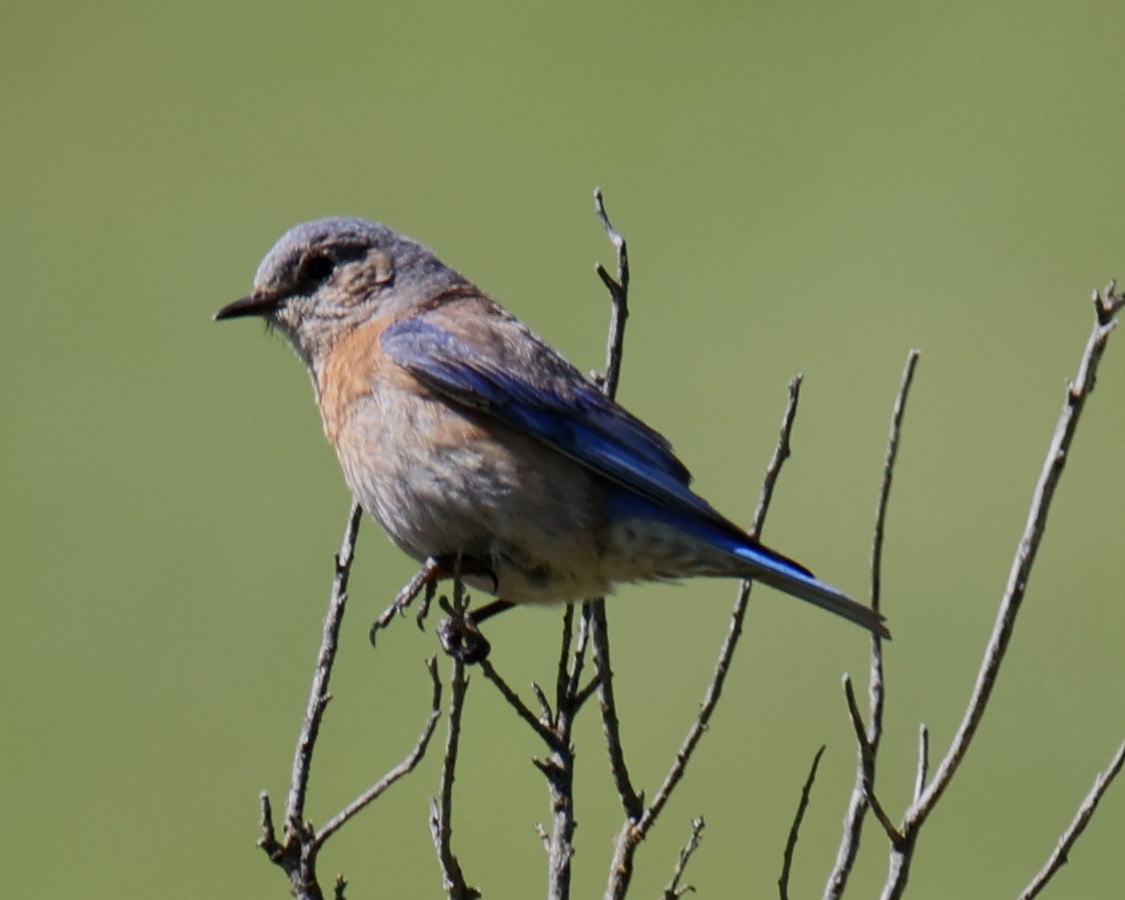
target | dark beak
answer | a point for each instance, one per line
(260, 303)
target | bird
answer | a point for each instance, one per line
(477, 447)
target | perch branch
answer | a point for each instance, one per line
(441, 809)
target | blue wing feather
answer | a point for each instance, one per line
(560, 408)
(525, 384)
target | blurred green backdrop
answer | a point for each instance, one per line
(805, 187)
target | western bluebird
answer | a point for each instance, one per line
(467, 437)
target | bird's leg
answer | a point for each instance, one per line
(433, 570)
(459, 634)
(425, 578)
(490, 609)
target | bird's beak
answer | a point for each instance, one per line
(260, 303)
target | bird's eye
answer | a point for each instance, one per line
(316, 268)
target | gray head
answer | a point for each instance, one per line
(323, 278)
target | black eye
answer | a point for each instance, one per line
(315, 269)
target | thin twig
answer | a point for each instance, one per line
(326, 658)
(633, 832)
(619, 294)
(869, 749)
(714, 690)
(922, 771)
(592, 628)
(1058, 451)
(297, 855)
(795, 828)
(545, 713)
(403, 768)
(268, 838)
(867, 767)
(578, 695)
(594, 609)
(781, 452)
(586, 693)
(563, 678)
(522, 709)
(673, 891)
(599, 631)
(1059, 855)
(441, 809)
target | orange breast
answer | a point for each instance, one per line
(348, 374)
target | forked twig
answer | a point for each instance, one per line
(633, 831)
(297, 853)
(868, 739)
(1105, 309)
(402, 769)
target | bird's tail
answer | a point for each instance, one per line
(770, 567)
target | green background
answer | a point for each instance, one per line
(805, 187)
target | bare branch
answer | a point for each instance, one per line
(867, 755)
(923, 760)
(563, 678)
(268, 839)
(599, 631)
(545, 713)
(559, 770)
(619, 294)
(579, 695)
(514, 701)
(738, 615)
(403, 768)
(865, 765)
(795, 828)
(1058, 452)
(326, 658)
(555, 728)
(632, 831)
(297, 855)
(441, 809)
(594, 610)
(673, 891)
(586, 693)
(1059, 855)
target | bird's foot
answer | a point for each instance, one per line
(459, 635)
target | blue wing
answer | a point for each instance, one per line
(525, 384)
(489, 361)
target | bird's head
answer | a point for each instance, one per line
(322, 279)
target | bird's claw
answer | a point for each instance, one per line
(460, 638)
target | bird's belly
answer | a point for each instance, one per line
(443, 481)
